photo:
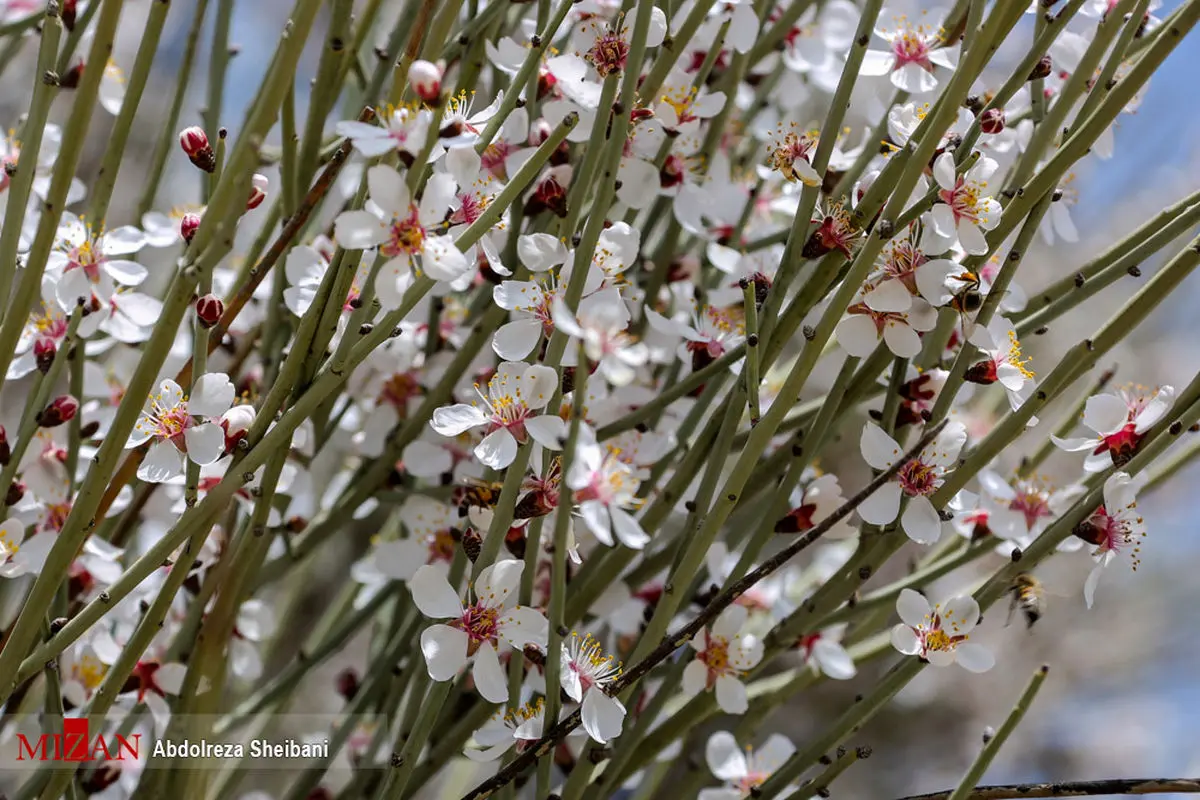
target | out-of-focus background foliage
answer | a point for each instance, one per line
(1123, 697)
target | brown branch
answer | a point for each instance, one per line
(294, 226)
(1126, 786)
(674, 641)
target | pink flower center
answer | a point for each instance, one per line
(84, 257)
(608, 54)
(1122, 444)
(480, 623)
(963, 200)
(909, 48)
(918, 479)
(1033, 504)
(406, 237)
(716, 658)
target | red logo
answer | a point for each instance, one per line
(75, 744)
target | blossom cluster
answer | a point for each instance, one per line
(597, 366)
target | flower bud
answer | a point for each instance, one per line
(983, 373)
(194, 142)
(472, 544)
(236, 423)
(992, 120)
(347, 683)
(188, 225)
(425, 79)
(1041, 69)
(44, 350)
(16, 491)
(5, 449)
(258, 191)
(61, 409)
(68, 13)
(209, 309)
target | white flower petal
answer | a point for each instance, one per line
(445, 651)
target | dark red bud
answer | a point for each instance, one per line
(1042, 69)
(992, 120)
(983, 373)
(258, 192)
(188, 225)
(61, 409)
(44, 351)
(194, 142)
(5, 448)
(69, 10)
(347, 683)
(209, 310)
(16, 490)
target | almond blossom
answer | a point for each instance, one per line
(1119, 420)
(89, 262)
(1115, 529)
(743, 769)
(177, 425)
(476, 627)
(722, 655)
(520, 726)
(604, 487)
(866, 324)
(919, 478)
(585, 671)
(403, 232)
(401, 129)
(965, 210)
(601, 325)
(513, 394)
(940, 634)
(19, 556)
(914, 51)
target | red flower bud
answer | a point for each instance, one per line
(258, 191)
(425, 79)
(70, 78)
(209, 310)
(61, 409)
(194, 142)
(236, 423)
(992, 120)
(16, 490)
(1041, 69)
(549, 195)
(347, 683)
(188, 225)
(68, 14)
(983, 373)
(5, 449)
(44, 351)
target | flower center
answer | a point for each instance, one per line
(918, 479)
(480, 623)
(716, 658)
(608, 54)
(407, 236)
(963, 200)
(442, 546)
(911, 48)
(399, 389)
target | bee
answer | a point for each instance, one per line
(967, 299)
(475, 493)
(1029, 595)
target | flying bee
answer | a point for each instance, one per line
(475, 493)
(1029, 596)
(966, 298)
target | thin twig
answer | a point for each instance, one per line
(1126, 786)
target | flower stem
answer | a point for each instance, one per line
(992, 748)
